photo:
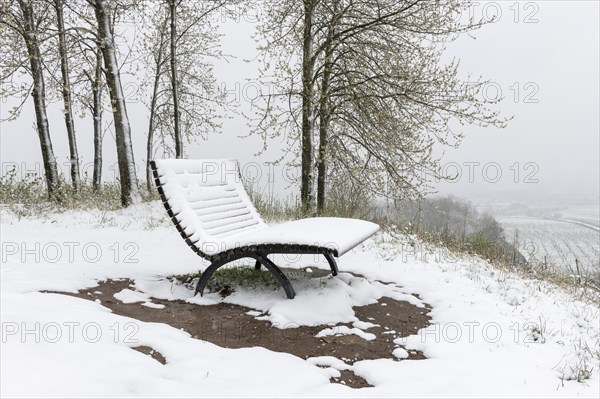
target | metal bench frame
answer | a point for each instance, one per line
(258, 252)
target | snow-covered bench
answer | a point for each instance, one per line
(208, 204)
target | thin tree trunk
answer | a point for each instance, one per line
(66, 93)
(174, 81)
(158, 72)
(39, 99)
(306, 188)
(149, 144)
(97, 116)
(325, 111)
(129, 188)
(324, 119)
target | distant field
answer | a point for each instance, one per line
(560, 242)
(588, 214)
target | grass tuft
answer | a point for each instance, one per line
(226, 280)
(28, 196)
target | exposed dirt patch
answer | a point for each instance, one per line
(154, 354)
(350, 379)
(230, 326)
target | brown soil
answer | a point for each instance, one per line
(229, 326)
(154, 354)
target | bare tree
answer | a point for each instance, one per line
(325, 112)
(308, 118)
(27, 20)
(66, 94)
(393, 99)
(105, 38)
(285, 41)
(88, 84)
(174, 80)
(184, 98)
(94, 106)
(373, 76)
(155, 43)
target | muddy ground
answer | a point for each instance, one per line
(230, 326)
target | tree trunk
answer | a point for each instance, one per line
(129, 188)
(158, 72)
(149, 153)
(97, 116)
(66, 93)
(306, 188)
(39, 99)
(174, 82)
(324, 119)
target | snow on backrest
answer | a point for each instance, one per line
(208, 200)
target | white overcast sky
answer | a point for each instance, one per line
(546, 52)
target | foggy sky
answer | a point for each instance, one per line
(548, 54)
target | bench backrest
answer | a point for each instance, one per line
(206, 201)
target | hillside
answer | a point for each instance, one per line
(490, 332)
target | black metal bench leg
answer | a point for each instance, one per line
(260, 260)
(276, 271)
(332, 264)
(206, 274)
(257, 265)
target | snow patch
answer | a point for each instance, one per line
(153, 305)
(400, 353)
(345, 330)
(129, 296)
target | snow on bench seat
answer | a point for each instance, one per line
(338, 234)
(211, 205)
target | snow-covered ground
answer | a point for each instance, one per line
(492, 333)
(561, 242)
(584, 213)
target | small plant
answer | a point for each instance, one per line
(273, 208)
(579, 367)
(226, 280)
(20, 195)
(581, 371)
(537, 332)
(27, 195)
(154, 222)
